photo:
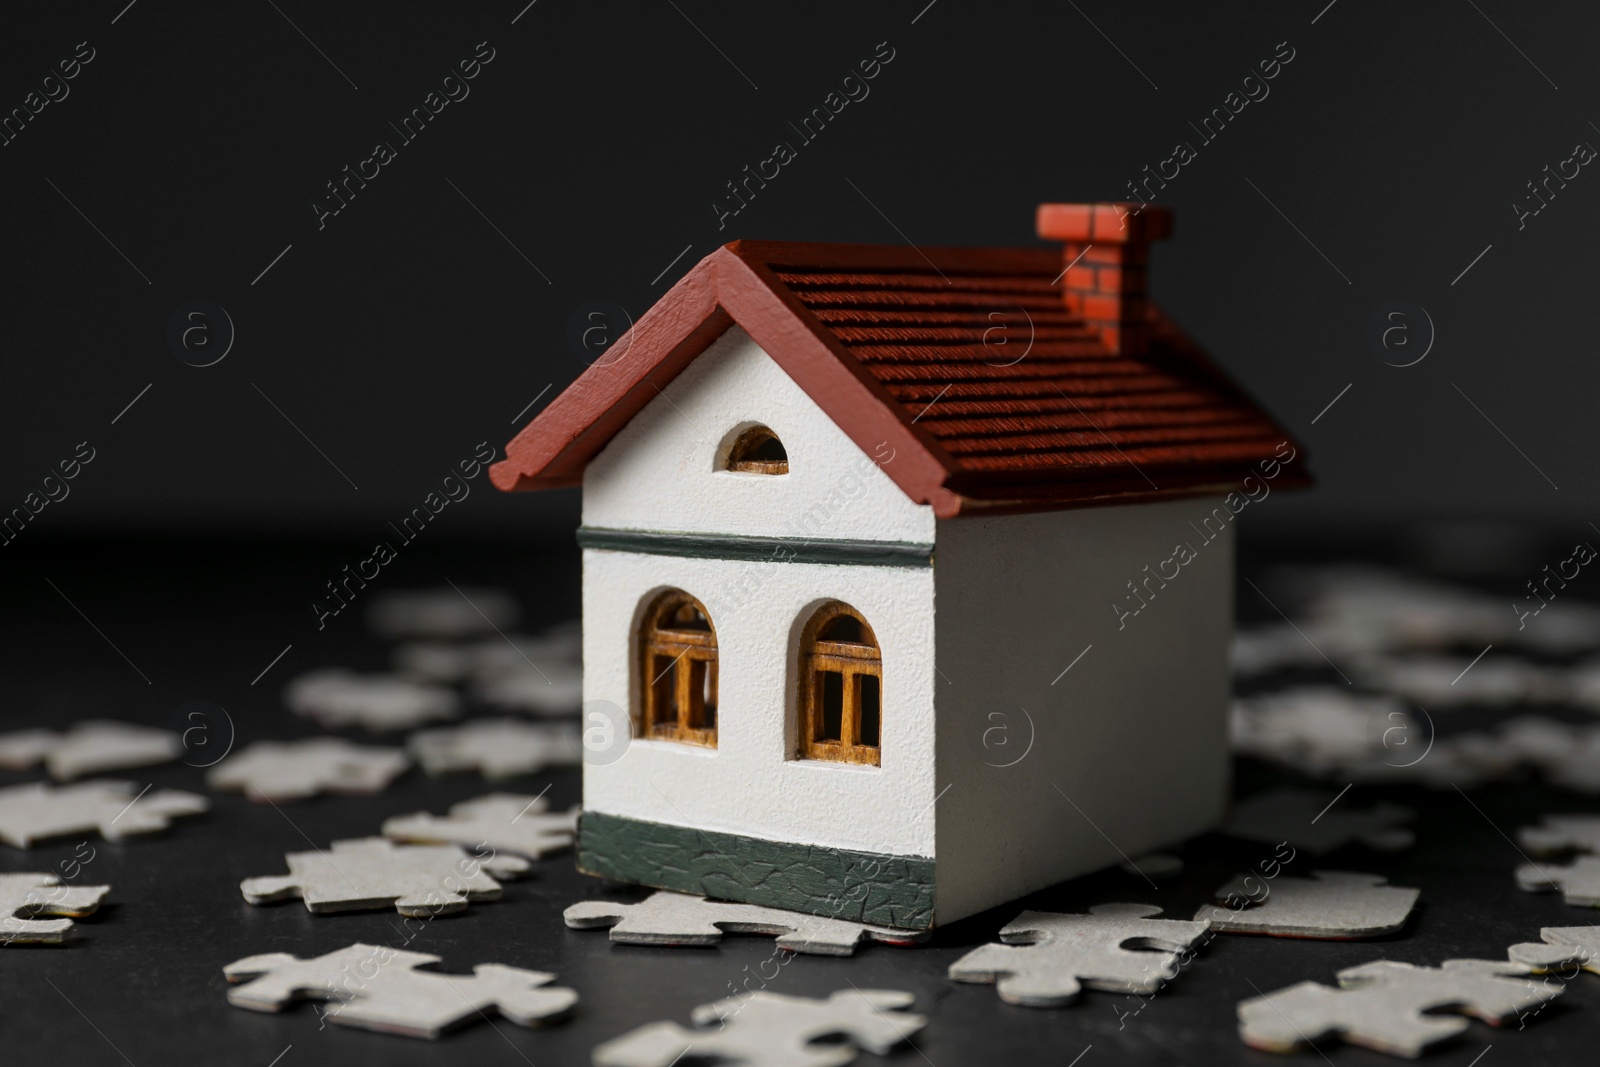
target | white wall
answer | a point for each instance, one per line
(659, 472)
(747, 784)
(1134, 734)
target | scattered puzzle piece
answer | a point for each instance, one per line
(1563, 946)
(270, 771)
(498, 748)
(378, 702)
(1453, 681)
(504, 822)
(771, 1030)
(88, 748)
(379, 988)
(452, 662)
(36, 812)
(665, 918)
(1330, 905)
(24, 896)
(1579, 881)
(1562, 833)
(1567, 755)
(1047, 958)
(447, 612)
(554, 689)
(1384, 1005)
(372, 872)
(1312, 821)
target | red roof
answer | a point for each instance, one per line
(967, 361)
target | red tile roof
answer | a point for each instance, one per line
(967, 361)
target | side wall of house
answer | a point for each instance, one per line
(1046, 772)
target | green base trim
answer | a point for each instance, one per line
(759, 549)
(837, 883)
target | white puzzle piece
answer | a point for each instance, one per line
(1563, 947)
(1578, 881)
(772, 1030)
(24, 897)
(36, 812)
(377, 702)
(505, 822)
(1388, 1006)
(1562, 833)
(553, 689)
(447, 611)
(380, 988)
(372, 872)
(273, 771)
(1566, 754)
(498, 748)
(1313, 821)
(679, 919)
(1047, 958)
(88, 748)
(1330, 905)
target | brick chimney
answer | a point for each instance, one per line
(1108, 247)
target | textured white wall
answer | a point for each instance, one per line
(1135, 734)
(748, 784)
(659, 472)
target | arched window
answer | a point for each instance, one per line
(841, 687)
(678, 671)
(758, 451)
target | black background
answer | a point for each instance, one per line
(409, 329)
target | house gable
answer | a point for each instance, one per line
(664, 471)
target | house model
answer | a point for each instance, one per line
(879, 557)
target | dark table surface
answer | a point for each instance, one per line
(153, 624)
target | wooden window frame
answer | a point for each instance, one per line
(748, 441)
(688, 652)
(853, 661)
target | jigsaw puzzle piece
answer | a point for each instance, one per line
(504, 822)
(420, 881)
(88, 748)
(666, 918)
(23, 897)
(1047, 958)
(1563, 947)
(379, 988)
(448, 613)
(1578, 881)
(1562, 833)
(498, 748)
(275, 771)
(772, 1030)
(115, 809)
(1309, 820)
(1330, 905)
(1384, 1005)
(339, 698)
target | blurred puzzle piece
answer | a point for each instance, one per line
(1047, 958)
(114, 809)
(680, 919)
(88, 748)
(1562, 833)
(498, 748)
(454, 612)
(23, 897)
(379, 988)
(1310, 820)
(1387, 1006)
(772, 1030)
(504, 822)
(379, 703)
(371, 872)
(1330, 905)
(1578, 881)
(1563, 946)
(270, 771)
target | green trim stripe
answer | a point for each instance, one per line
(837, 883)
(759, 549)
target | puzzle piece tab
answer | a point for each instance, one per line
(36, 812)
(1330, 905)
(665, 918)
(1047, 958)
(1387, 1006)
(771, 1030)
(504, 822)
(1579, 881)
(498, 748)
(88, 748)
(378, 702)
(272, 771)
(1313, 821)
(379, 988)
(25, 896)
(371, 872)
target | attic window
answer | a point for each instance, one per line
(758, 451)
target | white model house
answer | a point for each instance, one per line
(880, 554)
